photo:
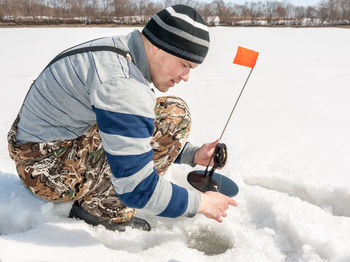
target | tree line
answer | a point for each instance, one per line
(138, 12)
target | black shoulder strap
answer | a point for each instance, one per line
(88, 49)
(79, 51)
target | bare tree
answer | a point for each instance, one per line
(206, 10)
(299, 14)
(322, 13)
(223, 12)
(270, 9)
(281, 11)
(254, 11)
(346, 9)
(121, 7)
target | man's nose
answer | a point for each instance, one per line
(185, 75)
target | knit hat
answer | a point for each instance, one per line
(180, 31)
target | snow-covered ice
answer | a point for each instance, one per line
(288, 143)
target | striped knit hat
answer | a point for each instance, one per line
(180, 31)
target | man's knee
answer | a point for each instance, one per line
(173, 102)
(172, 127)
(172, 115)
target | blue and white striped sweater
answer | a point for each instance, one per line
(101, 87)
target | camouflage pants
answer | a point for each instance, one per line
(78, 169)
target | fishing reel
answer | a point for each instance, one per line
(211, 181)
(220, 157)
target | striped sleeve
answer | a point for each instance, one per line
(124, 111)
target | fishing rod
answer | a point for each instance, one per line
(228, 120)
(210, 181)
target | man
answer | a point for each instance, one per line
(91, 130)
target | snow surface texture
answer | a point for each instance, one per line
(288, 145)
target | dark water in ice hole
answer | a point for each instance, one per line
(210, 242)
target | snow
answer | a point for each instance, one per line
(288, 144)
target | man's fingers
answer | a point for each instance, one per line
(214, 205)
(232, 202)
(213, 144)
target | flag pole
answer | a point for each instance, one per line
(229, 118)
(234, 107)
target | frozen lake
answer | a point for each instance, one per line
(288, 144)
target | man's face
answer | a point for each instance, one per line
(167, 70)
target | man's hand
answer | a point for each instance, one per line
(214, 205)
(204, 153)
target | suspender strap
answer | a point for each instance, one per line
(80, 51)
(89, 49)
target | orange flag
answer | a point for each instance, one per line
(246, 57)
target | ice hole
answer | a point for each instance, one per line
(209, 242)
